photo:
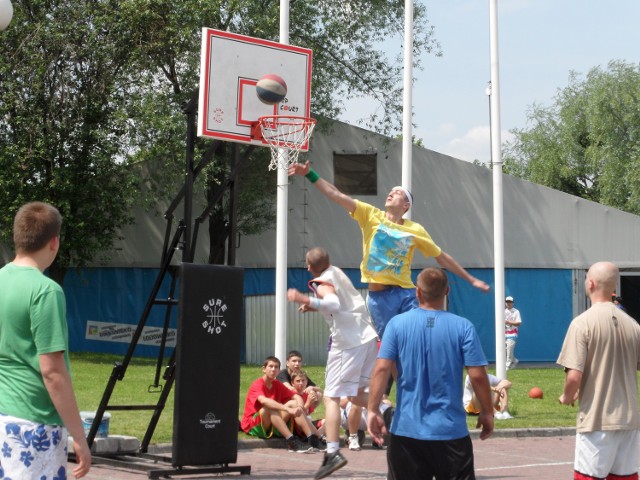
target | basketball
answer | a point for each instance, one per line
(535, 392)
(6, 14)
(271, 89)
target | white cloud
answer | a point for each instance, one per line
(475, 144)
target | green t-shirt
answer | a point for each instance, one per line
(32, 322)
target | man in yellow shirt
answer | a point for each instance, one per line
(389, 242)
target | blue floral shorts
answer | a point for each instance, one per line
(32, 451)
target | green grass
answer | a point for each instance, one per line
(535, 413)
(91, 373)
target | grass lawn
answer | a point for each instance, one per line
(91, 372)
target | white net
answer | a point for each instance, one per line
(287, 136)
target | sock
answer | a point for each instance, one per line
(333, 447)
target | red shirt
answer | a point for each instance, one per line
(252, 405)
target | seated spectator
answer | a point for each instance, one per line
(299, 381)
(272, 409)
(500, 393)
(294, 364)
(354, 419)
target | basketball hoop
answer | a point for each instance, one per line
(286, 135)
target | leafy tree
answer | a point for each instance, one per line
(588, 142)
(90, 87)
(62, 127)
(349, 61)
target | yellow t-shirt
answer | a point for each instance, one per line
(387, 247)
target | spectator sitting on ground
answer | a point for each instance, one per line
(300, 380)
(354, 418)
(272, 409)
(294, 364)
(500, 394)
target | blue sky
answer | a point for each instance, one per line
(540, 42)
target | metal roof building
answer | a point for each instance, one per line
(551, 238)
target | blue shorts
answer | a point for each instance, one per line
(385, 304)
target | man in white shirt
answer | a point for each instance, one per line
(512, 321)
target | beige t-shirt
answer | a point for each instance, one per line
(604, 344)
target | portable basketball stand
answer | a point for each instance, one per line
(184, 239)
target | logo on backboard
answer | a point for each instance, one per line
(214, 309)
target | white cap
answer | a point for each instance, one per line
(509, 299)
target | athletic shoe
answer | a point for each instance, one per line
(295, 445)
(361, 437)
(318, 444)
(506, 416)
(498, 416)
(354, 444)
(330, 463)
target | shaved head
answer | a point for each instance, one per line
(318, 259)
(603, 278)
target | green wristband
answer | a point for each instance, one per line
(312, 175)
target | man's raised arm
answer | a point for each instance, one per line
(327, 189)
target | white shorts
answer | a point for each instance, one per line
(349, 370)
(601, 453)
(31, 450)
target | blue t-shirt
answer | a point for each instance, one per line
(431, 348)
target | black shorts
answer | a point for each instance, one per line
(408, 458)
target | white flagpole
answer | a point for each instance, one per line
(407, 107)
(282, 203)
(498, 220)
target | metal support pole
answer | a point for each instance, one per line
(498, 202)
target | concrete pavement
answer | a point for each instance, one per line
(510, 453)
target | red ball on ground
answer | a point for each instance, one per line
(535, 392)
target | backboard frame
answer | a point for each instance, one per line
(230, 66)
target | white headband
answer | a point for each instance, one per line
(407, 194)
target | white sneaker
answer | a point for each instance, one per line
(498, 416)
(354, 445)
(506, 416)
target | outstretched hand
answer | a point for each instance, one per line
(299, 169)
(293, 295)
(479, 284)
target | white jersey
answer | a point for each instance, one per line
(351, 326)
